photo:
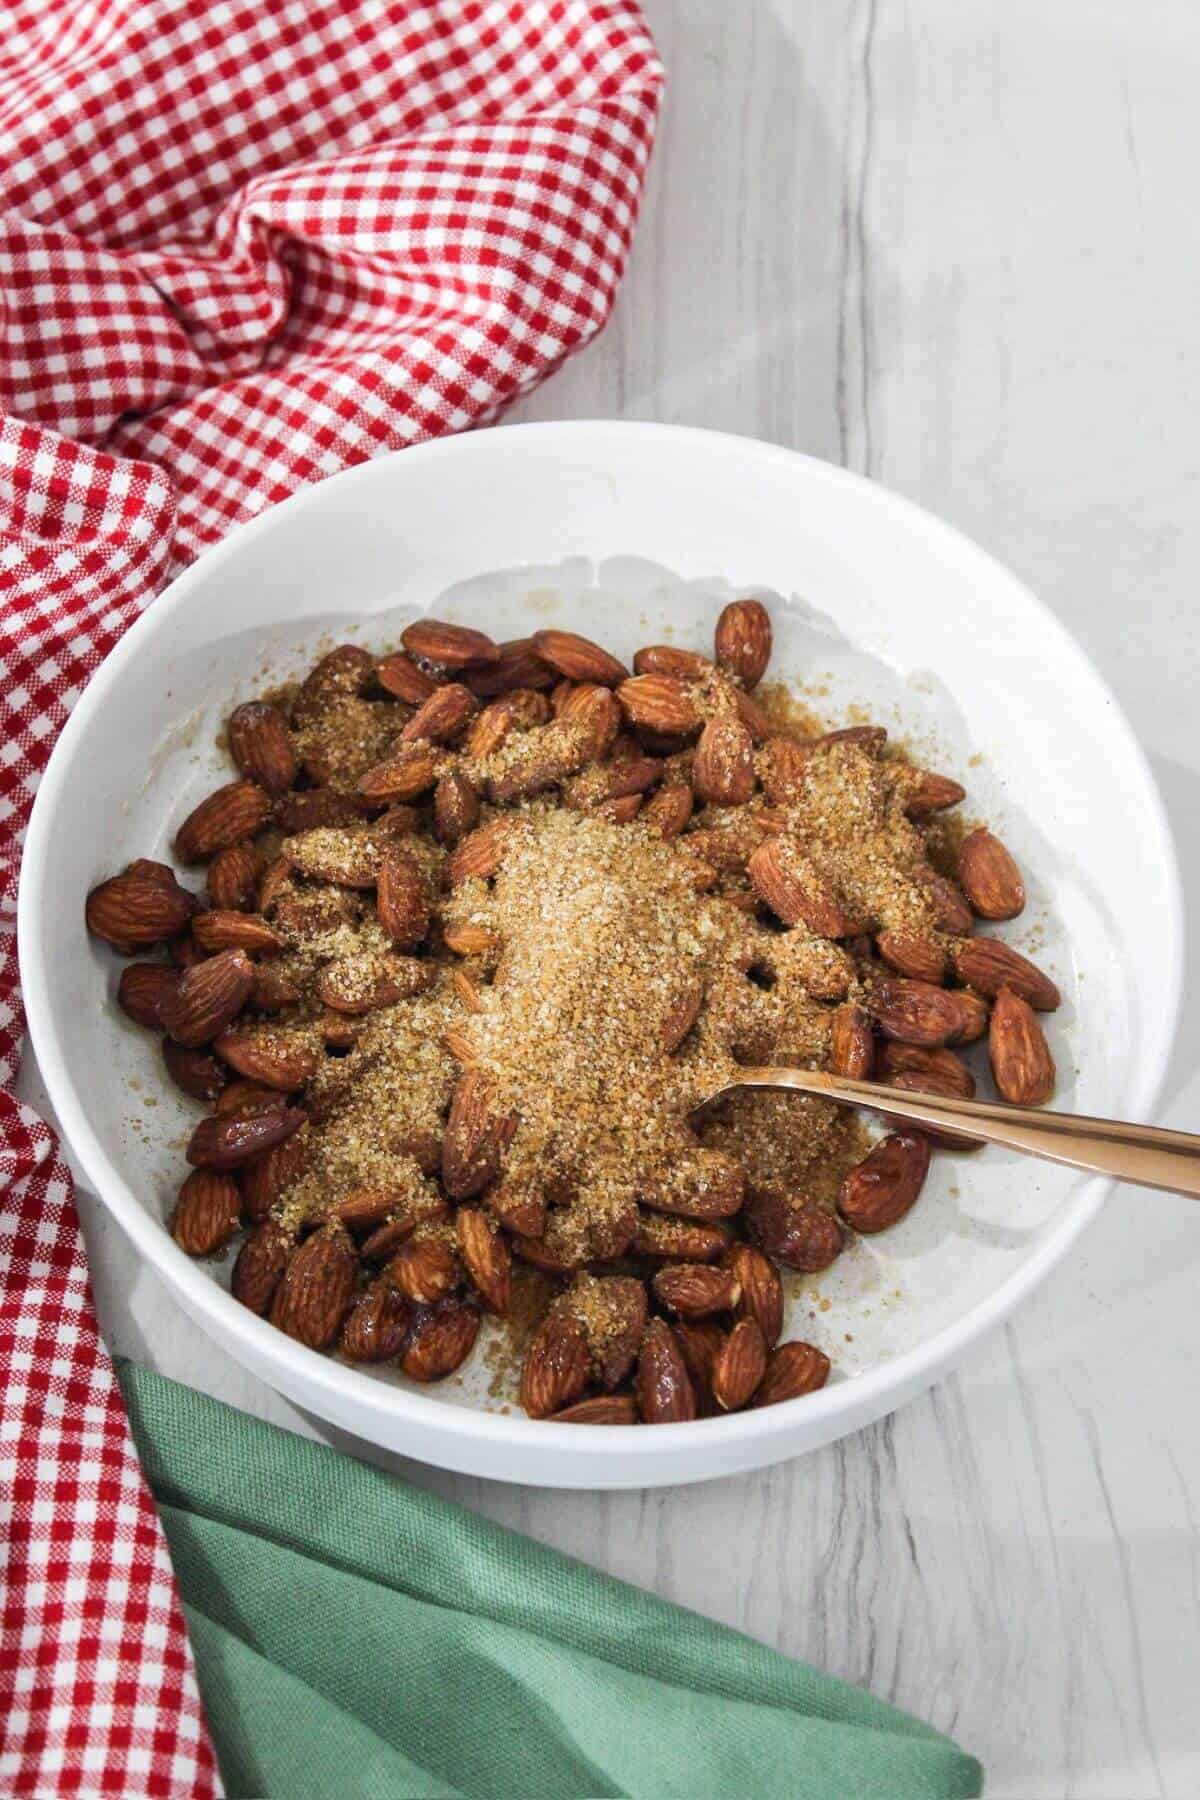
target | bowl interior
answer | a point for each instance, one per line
(639, 535)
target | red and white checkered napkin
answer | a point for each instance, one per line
(243, 243)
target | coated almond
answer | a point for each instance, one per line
(455, 807)
(205, 998)
(233, 878)
(662, 1385)
(476, 1137)
(914, 1012)
(781, 766)
(1022, 1066)
(660, 703)
(743, 641)
(990, 877)
(739, 1365)
(694, 1290)
(136, 909)
(695, 1240)
(851, 1043)
(933, 793)
(406, 775)
(987, 965)
(486, 1257)
(220, 930)
(794, 891)
(261, 745)
(243, 1099)
(402, 899)
(950, 908)
(761, 1297)
(440, 1340)
(699, 1341)
(425, 1269)
(601, 1409)
(470, 940)
(794, 1230)
(315, 809)
(870, 739)
(207, 1213)
(723, 772)
(557, 1366)
(265, 1176)
(260, 1263)
(377, 1324)
(479, 855)
(909, 953)
(196, 1073)
(682, 1016)
(669, 659)
(400, 676)
(441, 718)
(593, 708)
(317, 1289)
(792, 1370)
(948, 1070)
(226, 1143)
(449, 646)
(669, 810)
(577, 658)
(974, 1012)
(271, 1055)
(236, 811)
(341, 674)
(142, 989)
(518, 666)
(886, 1184)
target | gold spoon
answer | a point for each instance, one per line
(1146, 1154)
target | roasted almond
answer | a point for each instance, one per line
(669, 659)
(577, 658)
(792, 1370)
(260, 1263)
(933, 794)
(194, 1072)
(233, 812)
(261, 745)
(950, 908)
(781, 768)
(669, 810)
(761, 1298)
(990, 877)
(233, 877)
(486, 1257)
(226, 1143)
(441, 718)
(440, 1340)
(739, 1365)
(974, 1012)
(601, 1409)
(950, 1072)
(694, 1240)
(885, 1185)
(425, 1268)
(317, 1289)
(316, 809)
(345, 856)
(909, 953)
(1022, 1066)
(699, 1341)
(987, 965)
(402, 899)
(664, 1391)
(384, 1241)
(743, 641)
(244, 1099)
(518, 666)
(479, 855)
(755, 718)
(269, 1054)
(400, 676)
(851, 1043)
(207, 1213)
(939, 1086)
(219, 930)
(405, 775)
(700, 1183)
(694, 1290)
(520, 1210)
(134, 910)
(557, 1366)
(344, 672)
(273, 988)
(660, 703)
(794, 1230)
(793, 889)
(142, 989)
(593, 708)
(449, 646)
(723, 772)
(266, 1175)
(915, 1012)
(375, 1328)
(870, 739)
(205, 998)
(470, 940)
(455, 807)
(476, 1136)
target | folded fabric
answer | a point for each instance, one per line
(359, 1637)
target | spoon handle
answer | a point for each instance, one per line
(1143, 1153)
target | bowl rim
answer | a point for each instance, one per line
(261, 1346)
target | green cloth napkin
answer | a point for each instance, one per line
(358, 1637)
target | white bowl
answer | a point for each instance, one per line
(632, 533)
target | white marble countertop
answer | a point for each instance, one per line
(956, 247)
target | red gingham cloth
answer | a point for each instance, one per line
(243, 244)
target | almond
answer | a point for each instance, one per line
(220, 930)
(792, 1370)
(669, 810)
(794, 1230)
(974, 1012)
(870, 739)
(476, 1137)
(425, 1269)
(208, 1212)
(557, 1365)
(885, 1185)
(518, 666)
(487, 1258)
(577, 658)
(940, 1086)
(612, 1310)
(950, 908)
(455, 807)
(675, 1238)
(194, 1072)
(560, 693)
(466, 990)
(489, 731)
(739, 1365)
(988, 965)
(402, 899)
(396, 1231)
(365, 1209)
(265, 1176)
(662, 1385)
(669, 659)
(449, 646)
(269, 1054)
(399, 676)
(233, 877)
(244, 1099)
(699, 1341)
(205, 998)
(538, 760)
(990, 877)
(142, 989)
(225, 1143)
(343, 673)
(660, 703)
(441, 718)
(479, 855)
(317, 1289)
(470, 940)
(755, 718)
(260, 1263)
(914, 1012)
(273, 989)
(682, 1016)
(593, 708)
(932, 794)
(781, 765)
(949, 1071)
(440, 1340)
(743, 641)
(851, 1043)
(761, 1297)
(315, 810)
(602, 1409)
(343, 856)
(376, 1326)
(406, 775)
(622, 811)
(232, 813)
(723, 771)
(793, 890)
(184, 951)
(518, 1209)
(920, 958)
(700, 1184)
(134, 910)
(261, 745)
(695, 1290)
(1022, 1066)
